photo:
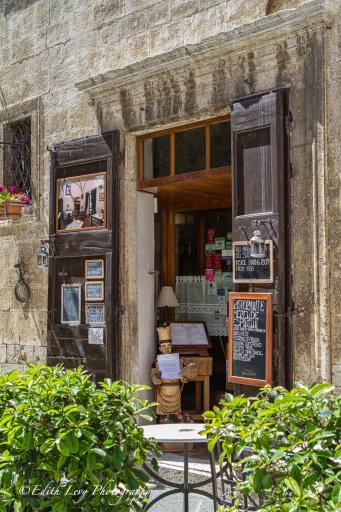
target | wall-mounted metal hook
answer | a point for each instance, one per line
(21, 288)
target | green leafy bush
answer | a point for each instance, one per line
(294, 461)
(67, 444)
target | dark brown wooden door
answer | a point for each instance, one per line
(84, 226)
(260, 200)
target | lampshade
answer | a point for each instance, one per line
(167, 298)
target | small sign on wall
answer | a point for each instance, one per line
(96, 336)
(247, 269)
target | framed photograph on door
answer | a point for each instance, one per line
(81, 202)
(94, 269)
(94, 291)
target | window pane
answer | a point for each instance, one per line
(253, 167)
(156, 157)
(190, 151)
(17, 157)
(220, 144)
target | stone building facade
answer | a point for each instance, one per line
(80, 68)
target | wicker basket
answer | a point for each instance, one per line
(190, 371)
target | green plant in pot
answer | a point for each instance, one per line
(12, 201)
(68, 444)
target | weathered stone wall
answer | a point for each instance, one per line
(47, 47)
(333, 159)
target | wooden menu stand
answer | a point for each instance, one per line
(202, 384)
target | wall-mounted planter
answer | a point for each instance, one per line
(10, 209)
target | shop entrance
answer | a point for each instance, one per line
(188, 170)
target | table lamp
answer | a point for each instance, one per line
(167, 299)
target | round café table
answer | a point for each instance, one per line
(186, 433)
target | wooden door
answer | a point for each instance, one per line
(94, 237)
(260, 201)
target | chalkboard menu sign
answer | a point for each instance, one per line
(250, 270)
(250, 338)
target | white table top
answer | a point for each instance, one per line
(175, 432)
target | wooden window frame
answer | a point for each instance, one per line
(173, 178)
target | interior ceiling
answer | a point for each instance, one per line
(210, 191)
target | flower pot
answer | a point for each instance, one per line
(11, 209)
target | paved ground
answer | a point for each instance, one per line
(171, 468)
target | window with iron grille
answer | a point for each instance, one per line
(17, 155)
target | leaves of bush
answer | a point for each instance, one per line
(288, 443)
(59, 429)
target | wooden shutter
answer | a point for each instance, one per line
(259, 161)
(68, 344)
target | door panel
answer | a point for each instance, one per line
(69, 344)
(259, 191)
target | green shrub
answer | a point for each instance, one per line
(295, 442)
(67, 444)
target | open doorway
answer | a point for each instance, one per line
(188, 170)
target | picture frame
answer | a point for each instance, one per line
(94, 269)
(94, 313)
(94, 291)
(81, 202)
(71, 300)
(96, 336)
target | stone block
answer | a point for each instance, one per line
(13, 354)
(200, 26)
(184, 8)
(164, 39)
(138, 47)
(106, 10)
(134, 23)
(9, 320)
(3, 353)
(39, 354)
(135, 5)
(32, 328)
(5, 298)
(336, 375)
(7, 368)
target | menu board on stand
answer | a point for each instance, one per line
(250, 338)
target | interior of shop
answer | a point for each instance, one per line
(188, 170)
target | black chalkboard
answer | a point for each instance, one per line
(250, 338)
(249, 270)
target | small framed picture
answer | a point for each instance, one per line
(96, 336)
(94, 314)
(71, 304)
(94, 269)
(94, 290)
(101, 196)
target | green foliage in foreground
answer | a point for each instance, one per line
(295, 441)
(67, 444)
